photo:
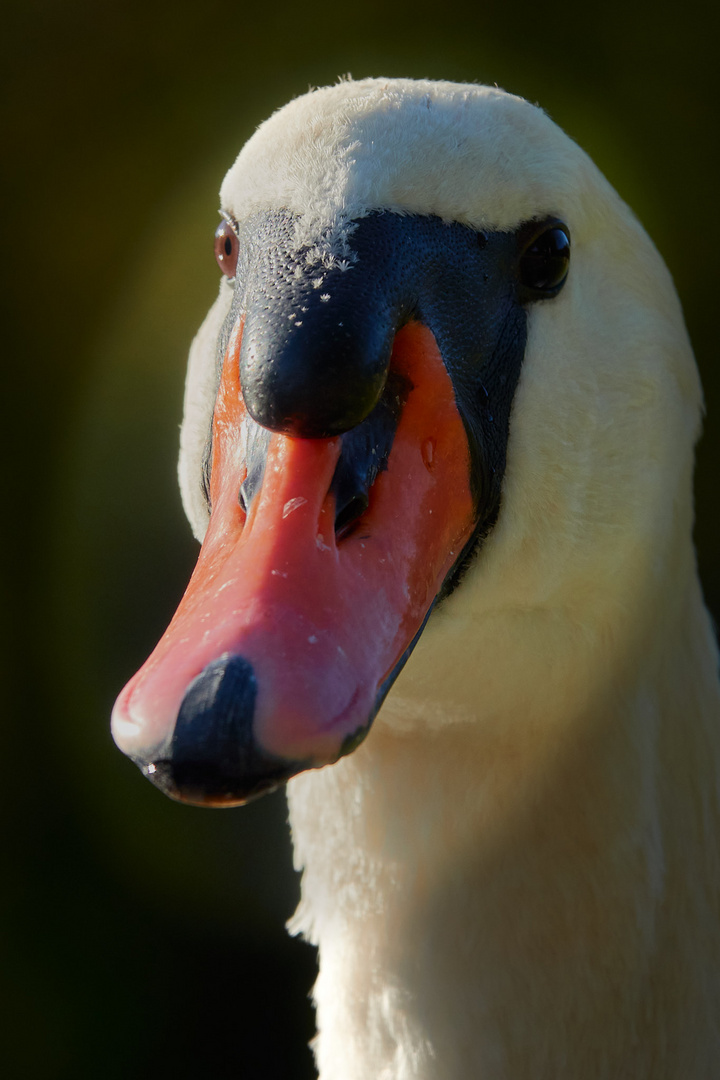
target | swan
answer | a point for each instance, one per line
(438, 445)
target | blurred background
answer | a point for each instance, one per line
(142, 938)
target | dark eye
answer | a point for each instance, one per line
(226, 248)
(544, 263)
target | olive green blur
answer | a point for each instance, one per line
(143, 939)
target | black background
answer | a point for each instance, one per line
(142, 938)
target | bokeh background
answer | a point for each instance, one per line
(141, 938)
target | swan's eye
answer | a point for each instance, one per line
(226, 248)
(544, 263)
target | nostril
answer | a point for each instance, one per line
(364, 455)
(257, 442)
(347, 515)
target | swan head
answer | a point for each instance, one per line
(446, 381)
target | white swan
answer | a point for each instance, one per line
(516, 875)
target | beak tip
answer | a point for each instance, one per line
(213, 757)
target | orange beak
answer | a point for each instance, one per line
(288, 637)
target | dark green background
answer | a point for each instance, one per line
(141, 938)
